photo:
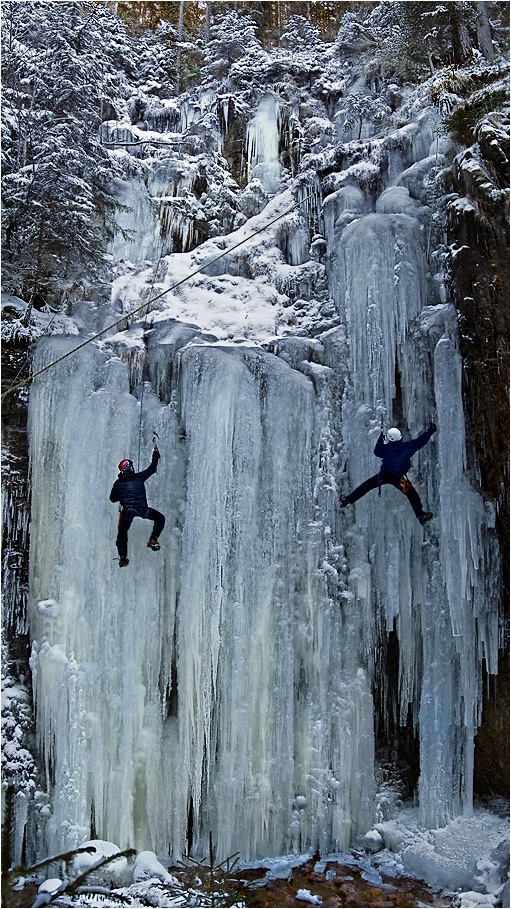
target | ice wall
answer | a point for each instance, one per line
(434, 584)
(213, 679)
(225, 684)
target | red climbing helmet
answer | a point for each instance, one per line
(126, 466)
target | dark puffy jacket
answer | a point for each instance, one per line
(129, 489)
(396, 455)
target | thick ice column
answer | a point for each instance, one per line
(380, 279)
(221, 676)
(435, 584)
(457, 635)
(377, 279)
(263, 144)
(462, 510)
(266, 697)
(98, 633)
(137, 235)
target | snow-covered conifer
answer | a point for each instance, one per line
(56, 173)
(300, 34)
(230, 38)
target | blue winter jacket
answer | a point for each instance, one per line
(129, 489)
(396, 456)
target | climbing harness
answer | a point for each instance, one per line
(404, 484)
(148, 303)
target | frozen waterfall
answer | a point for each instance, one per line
(226, 684)
(263, 138)
(436, 585)
(214, 680)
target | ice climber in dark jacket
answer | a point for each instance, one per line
(396, 460)
(129, 490)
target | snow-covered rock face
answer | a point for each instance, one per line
(226, 684)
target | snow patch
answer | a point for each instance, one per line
(307, 896)
(49, 607)
(147, 867)
(469, 854)
(472, 900)
(85, 861)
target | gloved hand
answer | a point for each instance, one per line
(432, 427)
(156, 453)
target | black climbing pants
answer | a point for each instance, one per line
(125, 522)
(400, 482)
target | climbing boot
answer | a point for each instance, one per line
(425, 517)
(154, 545)
(345, 501)
(123, 562)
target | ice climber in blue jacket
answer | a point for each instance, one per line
(396, 460)
(129, 490)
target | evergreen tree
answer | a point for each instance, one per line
(300, 34)
(55, 172)
(231, 38)
(358, 107)
(413, 39)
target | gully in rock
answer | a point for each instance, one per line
(396, 460)
(129, 490)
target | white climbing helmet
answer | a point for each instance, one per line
(394, 435)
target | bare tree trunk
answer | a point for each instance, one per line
(180, 38)
(181, 17)
(28, 311)
(208, 23)
(430, 58)
(23, 127)
(484, 40)
(460, 38)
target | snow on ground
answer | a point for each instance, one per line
(467, 861)
(469, 855)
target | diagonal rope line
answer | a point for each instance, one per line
(134, 312)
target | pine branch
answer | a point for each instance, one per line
(73, 886)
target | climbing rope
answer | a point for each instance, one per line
(421, 307)
(155, 272)
(140, 424)
(134, 312)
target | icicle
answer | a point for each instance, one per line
(435, 593)
(263, 144)
(141, 708)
